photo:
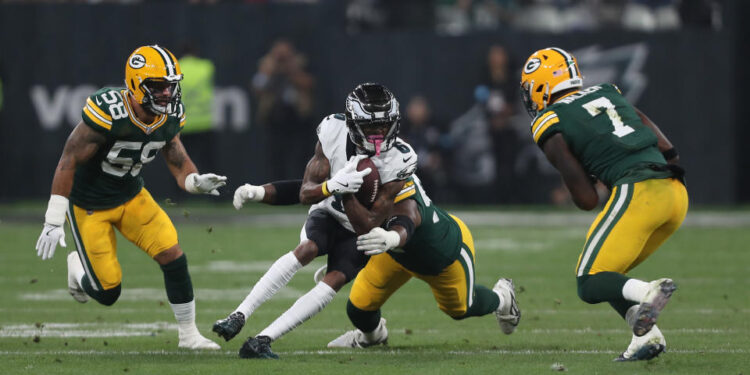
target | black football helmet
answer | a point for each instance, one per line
(372, 117)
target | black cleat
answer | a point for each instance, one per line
(229, 327)
(646, 353)
(257, 347)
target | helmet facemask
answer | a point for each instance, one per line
(373, 118)
(156, 100)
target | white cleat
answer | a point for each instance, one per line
(656, 298)
(320, 273)
(508, 315)
(644, 348)
(196, 341)
(358, 339)
(75, 267)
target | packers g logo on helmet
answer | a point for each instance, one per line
(137, 61)
(546, 72)
(150, 72)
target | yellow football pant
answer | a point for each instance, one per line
(140, 220)
(637, 219)
(453, 287)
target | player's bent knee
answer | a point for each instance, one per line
(584, 293)
(106, 297)
(455, 314)
(306, 251)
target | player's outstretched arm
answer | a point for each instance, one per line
(575, 177)
(316, 173)
(81, 145)
(277, 193)
(185, 172)
(362, 219)
(665, 146)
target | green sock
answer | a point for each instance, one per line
(365, 321)
(177, 280)
(622, 306)
(601, 287)
(485, 302)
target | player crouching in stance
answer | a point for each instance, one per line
(98, 185)
(595, 132)
(423, 241)
(369, 127)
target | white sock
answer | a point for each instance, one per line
(305, 308)
(274, 279)
(635, 290)
(184, 313)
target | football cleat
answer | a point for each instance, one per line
(357, 338)
(644, 348)
(320, 273)
(257, 347)
(196, 341)
(656, 298)
(230, 326)
(508, 316)
(75, 267)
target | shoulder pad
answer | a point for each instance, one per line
(97, 111)
(542, 123)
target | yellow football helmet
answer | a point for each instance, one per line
(152, 76)
(546, 72)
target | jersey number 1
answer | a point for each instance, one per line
(595, 107)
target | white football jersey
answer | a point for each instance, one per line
(398, 163)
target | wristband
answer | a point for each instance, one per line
(324, 188)
(56, 209)
(670, 154)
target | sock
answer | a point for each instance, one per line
(485, 301)
(184, 313)
(177, 281)
(601, 287)
(274, 279)
(305, 308)
(622, 306)
(635, 290)
(365, 321)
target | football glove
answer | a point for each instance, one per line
(248, 193)
(204, 183)
(53, 231)
(377, 241)
(348, 179)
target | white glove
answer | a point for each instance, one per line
(204, 183)
(377, 241)
(248, 193)
(53, 231)
(348, 179)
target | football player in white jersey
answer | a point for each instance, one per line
(368, 128)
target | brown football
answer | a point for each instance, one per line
(369, 189)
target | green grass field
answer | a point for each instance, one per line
(707, 323)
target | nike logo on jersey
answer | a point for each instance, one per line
(97, 101)
(407, 159)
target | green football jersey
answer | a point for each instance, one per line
(436, 243)
(112, 176)
(605, 134)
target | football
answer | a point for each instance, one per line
(369, 189)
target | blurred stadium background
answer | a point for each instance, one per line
(261, 74)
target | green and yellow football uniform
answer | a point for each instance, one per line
(606, 135)
(440, 252)
(108, 189)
